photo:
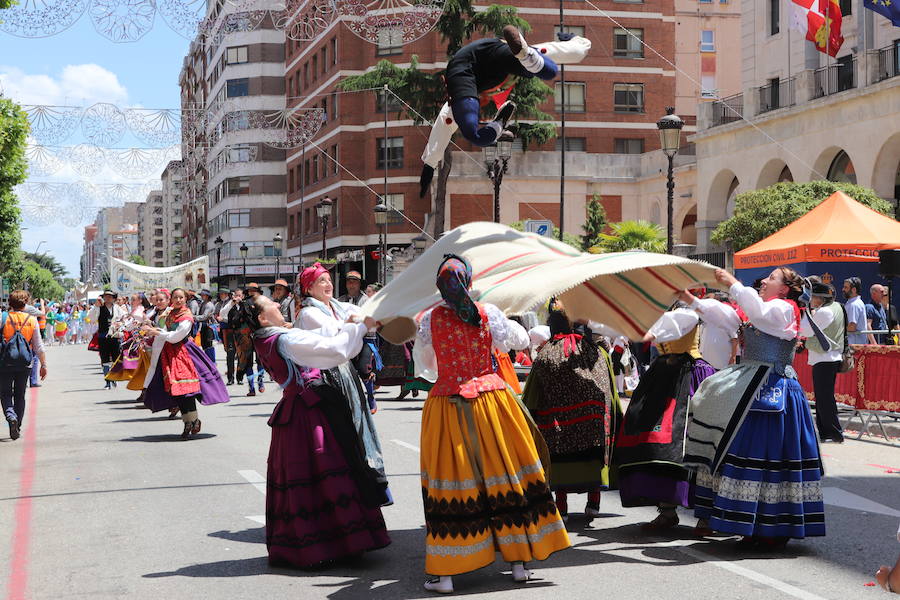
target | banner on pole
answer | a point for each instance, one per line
(129, 278)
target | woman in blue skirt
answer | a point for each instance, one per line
(751, 434)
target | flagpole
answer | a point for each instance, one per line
(828, 89)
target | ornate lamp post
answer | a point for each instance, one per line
(381, 212)
(218, 242)
(496, 158)
(277, 242)
(323, 211)
(419, 243)
(670, 140)
(243, 250)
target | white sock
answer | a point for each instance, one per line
(519, 571)
(532, 60)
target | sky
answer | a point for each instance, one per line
(78, 67)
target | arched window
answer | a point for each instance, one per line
(732, 194)
(841, 169)
(785, 175)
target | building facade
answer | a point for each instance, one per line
(151, 225)
(173, 206)
(368, 147)
(806, 116)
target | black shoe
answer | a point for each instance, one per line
(505, 113)
(513, 38)
(229, 382)
(13, 429)
(564, 36)
(425, 180)
(187, 430)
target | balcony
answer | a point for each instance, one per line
(727, 110)
(833, 79)
(888, 62)
(777, 94)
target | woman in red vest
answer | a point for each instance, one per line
(483, 482)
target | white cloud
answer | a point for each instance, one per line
(77, 85)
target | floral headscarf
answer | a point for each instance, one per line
(454, 279)
(310, 275)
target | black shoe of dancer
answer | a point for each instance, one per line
(229, 382)
(13, 428)
(195, 427)
(504, 114)
(186, 434)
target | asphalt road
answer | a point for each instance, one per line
(101, 499)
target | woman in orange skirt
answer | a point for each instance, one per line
(483, 483)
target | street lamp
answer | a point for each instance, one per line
(419, 243)
(381, 212)
(496, 158)
(243, 250)
(323, 211)
(277, 242)
(218, 242)
(670, 140)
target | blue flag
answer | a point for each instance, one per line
(886, 8)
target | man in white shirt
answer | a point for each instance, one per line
(824, 348)
(856, 311)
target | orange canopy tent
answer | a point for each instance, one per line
(839, 230)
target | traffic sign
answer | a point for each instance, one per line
(542, 227)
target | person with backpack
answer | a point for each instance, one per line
(20, 342)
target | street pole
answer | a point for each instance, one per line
(218, 268)
(324, 235)
(562, 136)
(496, 177)
(277, 266)
(670, 208)
(384, 227)
(302, 201)
(244, 275)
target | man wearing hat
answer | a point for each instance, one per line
(825, 326)
(354, 295)
(281, 294)
(206, 318)
(226, 333)
(252, 290)
(109, 345)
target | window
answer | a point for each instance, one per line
(393, 104)
(707, 41)
(291, 221)
(238, 154)
(334, 163)
(774, 16)
(573, 29)
(628, 97)
(306, 172)
(396, 205)
(315, 67)
(629, 146)
(237, 87)
(239, 218)
(846, 7)
(334, 56)
(394, 151)
(236, 55)
(390, 41)
(627, 43)
(708, 86)
(324, 59)
(158, 254)
(238, 186)
(157, 232)
(334, 106)
(705, 1)
(629, 1)
(315, 168)
(305, 75)
(573, 144)
(158, 244)
(575, 93)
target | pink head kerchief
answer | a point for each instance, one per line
(310, 275)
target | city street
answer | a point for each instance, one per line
(101, 499)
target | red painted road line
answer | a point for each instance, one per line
(886, 468)
(21, 540)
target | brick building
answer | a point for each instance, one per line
(614, 99)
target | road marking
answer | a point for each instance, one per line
(885, 468)
(836, 496)
(771, 582)
(261, 519)
(18, 576)
(406, 445)
(258, 481)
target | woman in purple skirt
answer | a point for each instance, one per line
(180, 373)
(650, 444)
(323, 499)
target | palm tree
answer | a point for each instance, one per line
(632, 235)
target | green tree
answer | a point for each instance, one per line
(568, 238)
(13, 133)
(6, 3)
(40, 282)
(424, 93)
(632, 235)
(48, 262)
(137, 259)
(760, 213)
(594, 224)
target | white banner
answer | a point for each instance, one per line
(129, 278)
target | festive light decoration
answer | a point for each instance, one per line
(390, 22)
(88, 160)
(71, 204)
(103, 124)
(41, 18)
(304, 20)
(122, 20)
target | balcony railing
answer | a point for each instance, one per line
(728, 110)
(888, 62)
(776, 95)
(836, 78)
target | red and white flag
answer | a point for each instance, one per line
(820, 20)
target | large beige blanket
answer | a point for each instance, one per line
(517, 271)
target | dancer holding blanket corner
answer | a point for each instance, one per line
(483, 483)
(751, 433)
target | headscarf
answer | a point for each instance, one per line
(454, 278)
(310, 275)
(177, 315)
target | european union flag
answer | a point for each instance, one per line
(887, 8)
